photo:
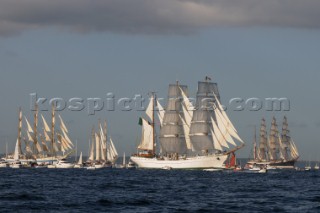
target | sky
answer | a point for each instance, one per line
(86, 49)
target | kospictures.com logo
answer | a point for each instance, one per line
(139, 103)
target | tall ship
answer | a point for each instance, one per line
(42, 144)
(275, 150)
(102, 152)
(191, 137)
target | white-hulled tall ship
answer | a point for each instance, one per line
(199, 137)
(40, 147)
(275, 150)
(102, 151)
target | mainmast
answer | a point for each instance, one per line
(204, 115)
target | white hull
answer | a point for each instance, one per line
(199, 162)
(51, 166)
(65, 166)
(46, 159)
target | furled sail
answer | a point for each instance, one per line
(171, 134)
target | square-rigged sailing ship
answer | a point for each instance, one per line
(191, 137)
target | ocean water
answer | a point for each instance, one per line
(121, 190)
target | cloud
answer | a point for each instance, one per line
(154, 16)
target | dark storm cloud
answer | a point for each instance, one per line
(154, 16)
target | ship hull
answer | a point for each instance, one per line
(199, 162)
(276, 164)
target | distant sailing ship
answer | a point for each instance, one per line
(278, 151)
(199, 137)
(102, 151)
(40, 147)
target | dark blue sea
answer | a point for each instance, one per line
(121, 190)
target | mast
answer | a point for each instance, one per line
(201, 123)
(35, 129)
(263, 146)
(6, 149)
(92, 142)
(75, 159)
(153, 124)
(274, 140)
(52, 129)
(171, 133)
(285, 138)
(255, 144)
(105, 139)
(20, 130)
